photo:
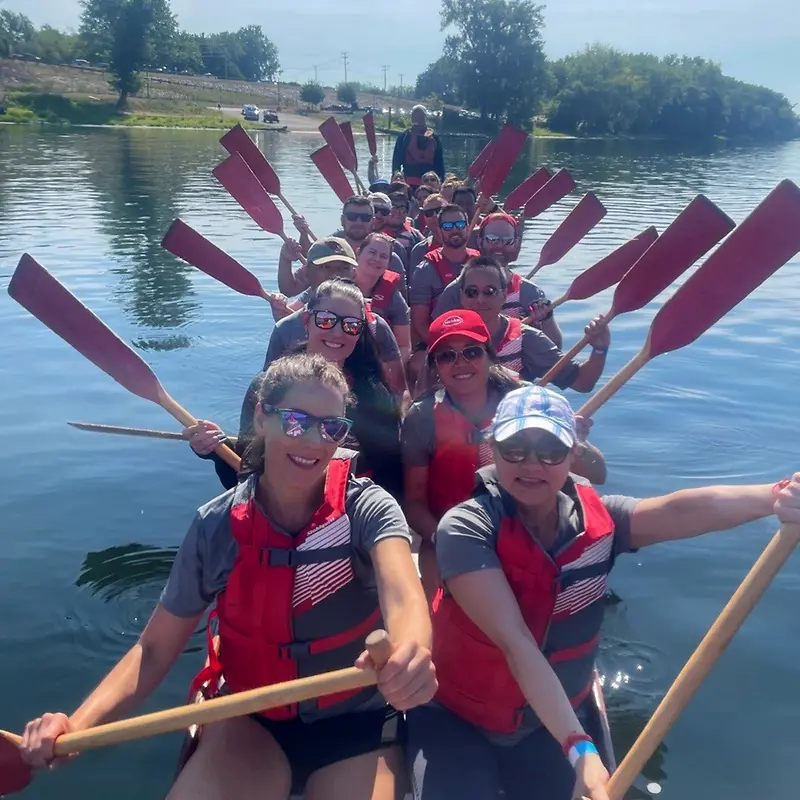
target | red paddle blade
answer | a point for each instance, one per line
(518, 197)
(688, 237)
(237, 140)
(475, 169)
(762, 244)
(234, 174)
(507, 147)
(369, 129)
(186, 243)
(612, 268)
(586, 214)
(333, 135)
(347, 130)
(15, 774)
(34, 288)
(557, 188)
(332, 171)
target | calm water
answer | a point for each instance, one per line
(90, 522)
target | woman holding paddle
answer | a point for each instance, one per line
(300, 551)
(524, 564)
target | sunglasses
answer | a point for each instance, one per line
(327, 321)
(382, 211)
(431, 212)
(517, 452)
(404, 209)
(355, 216)
(471, 353)
(488, 291)
(493, 238)
(459, 225)
(297, 423)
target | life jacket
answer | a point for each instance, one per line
(371, 316)
(292, 606)
(562, 602)
(384, 290)
(512, 307)
(445, 269)
(461, 448)
(418, 157)
(509, 353)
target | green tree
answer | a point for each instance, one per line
(347, 93)
(258, 59)
(497, 46)
(54, 46)
(14, 30)
(440, 78)
(312, 93)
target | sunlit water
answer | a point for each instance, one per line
(90, 521)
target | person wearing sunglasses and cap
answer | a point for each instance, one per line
(430, 211)
(443, 435)
(301, 561)
(525, 563)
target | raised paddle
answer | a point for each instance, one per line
(475, 169)
(147, 433)
(688, 237)
(557, 188)
(369, 129)
(586, 214)
(714, 643)
(237, 140)
(34, 288)
(347, 130)
(15, 774)
(333, 135)
(507, 146)
(333, 173)
(608, 270)
(763, 243)
(517, 198)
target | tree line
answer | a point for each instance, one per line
(130, 36)
(493, 61)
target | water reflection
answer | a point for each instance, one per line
(115, 570)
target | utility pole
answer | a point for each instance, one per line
(401, 84)
(316, 80)
(385, 69)
(345, 58)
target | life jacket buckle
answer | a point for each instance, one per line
(294, 651)
(277, 557)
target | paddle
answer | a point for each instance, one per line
(763, 243)
(369, 129)
(186, 243)
(608, 270)
(333, 135)
(557, 188)
(147, 433)
(714, 643)
(15, 774)
(517, 198)
(688, 237)
(507, 147)
(586, 214)
(237, 140)
(475, 169)
(34, 288)
(332, 171)
(347, 130)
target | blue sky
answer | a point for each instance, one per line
(755, 41)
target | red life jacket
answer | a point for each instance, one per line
(384, 290)
(561, 601)
(418, 160)
(460, 450)
(292, 606)
(509, 353)
(512, 307)
(445, 269)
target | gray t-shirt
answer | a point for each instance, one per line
(418, 252)
(397, 312)
(426, 285)
(529, 293)
(290, 332)
(206, 555)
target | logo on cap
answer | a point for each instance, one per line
(453, 321)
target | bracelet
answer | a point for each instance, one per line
(579, 750)
(573, 739)
(601, 351)
(776, 489)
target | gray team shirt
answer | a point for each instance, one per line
(529, 293)
(205, 558)
(426, 285)
(398, 312)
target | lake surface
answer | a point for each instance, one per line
(90, 522)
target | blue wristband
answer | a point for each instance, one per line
(579, 750)
(600, 350)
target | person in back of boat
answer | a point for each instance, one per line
(384, 288)
(418, 150)
(520, 348)
(336, 328)
(302, 561)
(499, 237)
(444, 433)
(525, 563)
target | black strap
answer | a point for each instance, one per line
(572, 576)
(278, 557)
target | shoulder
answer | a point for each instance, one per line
(373, 513)
(530, 288)
(286, 324)
(478, 518)
(423, 406)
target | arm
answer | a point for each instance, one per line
(399, 152)
(415, 501)
(372, 170)
(438, 159)
(420, 321)
(403, 335)
(590, 370)
(291, 283)
(549, 327)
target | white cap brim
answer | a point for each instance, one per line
(540, 422)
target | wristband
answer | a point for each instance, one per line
(579, 750)
(601, 351)
(573, 739)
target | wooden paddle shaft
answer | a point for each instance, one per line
(294, 213)
(615, 384)
(705, 656)
(147, 433)
(187, 420)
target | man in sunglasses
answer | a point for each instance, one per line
(398, 225)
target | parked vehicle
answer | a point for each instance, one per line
(271, 116)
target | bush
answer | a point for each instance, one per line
(346, 93)
(312, 93)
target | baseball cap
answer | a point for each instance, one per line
(331, 248)
(534, 408)
(497, 216)
(380, 199)
(380, 185)
(460, 322)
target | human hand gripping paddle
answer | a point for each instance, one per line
(16, 775)
(369, 129)
(333, 135)
(36, 290)
(237, 140)
(586, 214)
(688, 237)
(333, 173)
(517, 198)
(763, 243)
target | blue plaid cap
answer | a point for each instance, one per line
(537, 408)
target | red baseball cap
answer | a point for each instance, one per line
(498, 216)
(459, 322)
